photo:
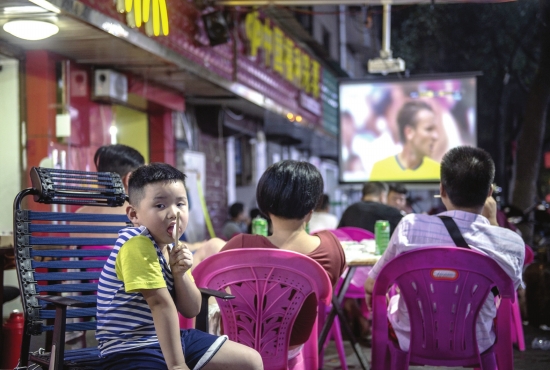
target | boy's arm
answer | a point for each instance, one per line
(188, 297)
(166, 325)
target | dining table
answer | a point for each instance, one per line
(358, 254)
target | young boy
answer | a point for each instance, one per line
(146, 281)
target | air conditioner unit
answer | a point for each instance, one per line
(110, 85)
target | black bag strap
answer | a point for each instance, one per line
(458, 239)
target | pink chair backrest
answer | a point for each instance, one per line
(270, 287)
(356, 233)
(444, 289)
(341, 235)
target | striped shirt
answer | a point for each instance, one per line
(417, 231)
(124, 319)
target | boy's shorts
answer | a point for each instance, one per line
(198, 349)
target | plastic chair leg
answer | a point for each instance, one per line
(339, 343)
(517, 326)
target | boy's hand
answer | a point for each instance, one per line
(180, 259)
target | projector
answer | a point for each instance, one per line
(386, 65)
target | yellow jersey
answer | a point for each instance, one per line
(389, 169)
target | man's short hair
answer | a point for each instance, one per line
(236, 209)
(289, 189)
(118, 158)
(151, 174)
(407, 116)
(398, 188)
(323, 203)
(467, 175)
(374, 188)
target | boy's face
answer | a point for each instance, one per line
(158, 208)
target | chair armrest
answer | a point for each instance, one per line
(215, 293)
(201, 323)
(60, 301)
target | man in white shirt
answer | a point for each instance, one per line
(321, 219)
(466, 186)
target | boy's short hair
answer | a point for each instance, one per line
(467, 175)
(374, 188)
(151, 174)
(118, 158)
(236, 209)
(289, 189)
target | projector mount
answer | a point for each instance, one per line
(386, 64)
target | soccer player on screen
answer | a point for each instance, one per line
(418, 133)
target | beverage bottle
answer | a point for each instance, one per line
(381, 235)
(259, 226)
(541, 343)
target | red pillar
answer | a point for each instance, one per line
(41, 107)
(162, 142)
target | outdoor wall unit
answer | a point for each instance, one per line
(110, 86)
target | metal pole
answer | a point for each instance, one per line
(386, 32)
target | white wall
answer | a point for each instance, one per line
(10, 163)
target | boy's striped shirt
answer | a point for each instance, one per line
(124, 319)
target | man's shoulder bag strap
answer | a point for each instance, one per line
(458, 239)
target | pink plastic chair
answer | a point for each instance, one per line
(517, 324)
(444, 289)
(270, 287)
(356, 233)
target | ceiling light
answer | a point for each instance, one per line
(31, 30)
(23, 9)
(46, 5)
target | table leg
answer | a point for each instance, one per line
(337, 310)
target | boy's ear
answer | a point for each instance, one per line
(132, 214)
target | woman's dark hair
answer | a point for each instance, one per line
(467, 175)
(289, 189)
(236, 209)
(118, 158)
(150, 174)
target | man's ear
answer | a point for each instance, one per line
(442, 191)
(408, 130)
(132, 214)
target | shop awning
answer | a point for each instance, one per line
(88, 37)
(346, 2)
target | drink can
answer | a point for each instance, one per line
(381, 235)
(259, 226)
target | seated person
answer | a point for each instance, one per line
(237, 223)
(146, 281)
(321, 219)
(122, 160)
(287, 193)
(466, 177)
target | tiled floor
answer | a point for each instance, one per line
(531, 359)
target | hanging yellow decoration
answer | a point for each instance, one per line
(142, 14)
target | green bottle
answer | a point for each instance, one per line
(381, 236)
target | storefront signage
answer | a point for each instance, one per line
(282, 55)
(152, 13)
